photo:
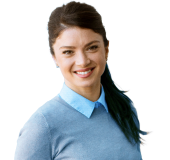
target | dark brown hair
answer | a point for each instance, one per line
(76, 14)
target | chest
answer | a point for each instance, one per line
(90, 139)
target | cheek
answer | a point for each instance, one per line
(102, 65)
(100, 59)
(100, 62)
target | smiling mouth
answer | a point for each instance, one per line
(91, 70)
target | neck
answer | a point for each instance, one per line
(92, 93)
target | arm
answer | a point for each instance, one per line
(34, 141)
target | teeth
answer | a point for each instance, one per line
(84, 72)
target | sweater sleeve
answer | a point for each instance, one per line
(34, 141)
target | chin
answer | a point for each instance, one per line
(87, 84)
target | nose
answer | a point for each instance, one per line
(82, 59)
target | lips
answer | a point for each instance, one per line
(83, 70)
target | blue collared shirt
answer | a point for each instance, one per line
(80, 103)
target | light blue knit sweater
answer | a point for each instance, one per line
(70, 127)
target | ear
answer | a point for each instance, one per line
(107, 51)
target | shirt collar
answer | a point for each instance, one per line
(80, 103)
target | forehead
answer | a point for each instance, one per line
(77, 36)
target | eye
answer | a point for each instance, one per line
(67, 51)
(93, 48)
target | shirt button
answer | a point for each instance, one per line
(97, 104)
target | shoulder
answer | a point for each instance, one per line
(54, 108)
(53, 113)
(36, 136)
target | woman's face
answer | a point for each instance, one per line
(80, 49)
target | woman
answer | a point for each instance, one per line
(90, 119)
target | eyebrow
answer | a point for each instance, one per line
(72, 47)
